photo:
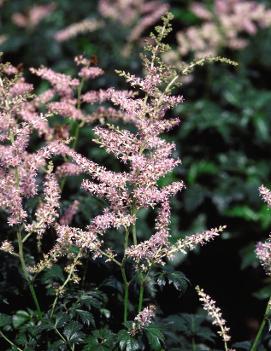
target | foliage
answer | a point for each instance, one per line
(102, 296)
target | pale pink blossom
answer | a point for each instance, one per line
(34, 15)
(47, 211)
(265, 194)
(85, 26)
(70, 212)
(215, 314)
(62, 83)
(143, 319)
(263, 252)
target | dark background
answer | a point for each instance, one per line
(223, 141)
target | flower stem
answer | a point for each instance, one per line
(9, 341)
(63, 339)
(141, 294)
(72, 269)
(126, 294)
(26, 275)
(126, 283)
(259, 334)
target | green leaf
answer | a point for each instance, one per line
(244, 212)
(73, 332)
(127, 342)
(155, 337)
(177, 279)
(61, 319)
(100, 340)
(86, 317)
(5, 320)
(20, 318)
(55, 273)
(263, 293)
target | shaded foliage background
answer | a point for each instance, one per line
(224, 143)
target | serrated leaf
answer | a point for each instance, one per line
(61, 319)
(155, 337)
(73, 332)
(86, 317)
(100, 340)
(20, 318)
(55, 273)
(127, 342)
(176, 278)
(5, 320)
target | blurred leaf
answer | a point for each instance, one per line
(127, 342)
(20, 318)
(155, 337)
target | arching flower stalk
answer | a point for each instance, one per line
(140, 147)
(263, 252)
(215, 314)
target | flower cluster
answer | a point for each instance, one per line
(33, 17)
(263, 250)
(138, 143)
(215, 314)
(85, 26)
(143, 319)
(223, 26)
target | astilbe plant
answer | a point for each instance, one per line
(263, 252)
(224, 25)
(146, 157)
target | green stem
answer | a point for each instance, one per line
(9, 341)
(75, 126)
(26, 275)
(63, 339)
(265, 319)
(126, 294)
(65, 283)
(141, 294)
(126, 283)
(194, 347)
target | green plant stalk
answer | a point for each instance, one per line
(26, 275)
(265, 319)
(63, 339)
(75, 125)
(65, 283)
(126, 283)
(9, 341)
(126, 294)
(194, 346)
(141, 294)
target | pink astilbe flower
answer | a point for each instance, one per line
(139, 15)
(47, 211)
(62, 83)
(265, 195)
(263, 249)
(223, 26)
(215, 314)
(191, 241)
(151, 16)
(85, 26)
(7, 246)
(33, 17)
(70, 212)
(68, 169)
(153, 250)
(143, 319)
(263, 252)
(11, 199)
